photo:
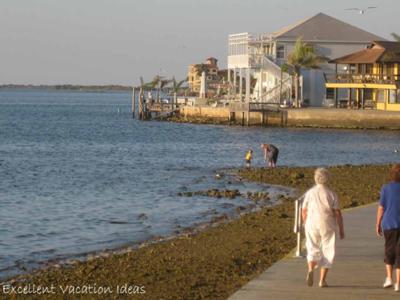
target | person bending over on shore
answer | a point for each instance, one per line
(388, 225)
(249, 157)
(321, 215)
(270, 154)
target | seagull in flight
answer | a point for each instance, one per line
(361, 10)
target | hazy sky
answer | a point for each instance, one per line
(116, 41)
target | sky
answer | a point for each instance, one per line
(117, 41)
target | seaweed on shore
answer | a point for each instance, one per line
(214, 263)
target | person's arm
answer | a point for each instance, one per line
(379, 215)
(339, 221)
(304, 208)
(304, 215)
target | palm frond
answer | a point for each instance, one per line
(396, 37)
(304, 56)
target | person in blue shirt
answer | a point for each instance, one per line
(388, 225)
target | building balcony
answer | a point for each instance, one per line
(385, 81)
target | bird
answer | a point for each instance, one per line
(361, 10)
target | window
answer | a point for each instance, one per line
(330, 93)
(380, 96)
(360, 69)
(394, 96)
(368, 68)
(368, 94)
(280, 51)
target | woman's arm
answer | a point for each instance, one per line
(339, 221)
(304, 215)
(379, 215)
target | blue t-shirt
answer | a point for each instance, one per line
(390, 201)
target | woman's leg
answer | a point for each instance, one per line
(390, 254)
(389, 271)
(328, 241)
(311, 265)
(323, 273)
(313, 252)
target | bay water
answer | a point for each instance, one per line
(78, 174)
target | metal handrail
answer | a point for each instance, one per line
(298, 222)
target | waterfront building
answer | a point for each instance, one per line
(261, 57)
(210, 67)
(369, 78)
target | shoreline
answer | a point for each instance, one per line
(254, 201)
(216, 261)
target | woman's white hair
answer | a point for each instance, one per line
(322, 176)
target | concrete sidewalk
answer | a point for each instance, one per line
(358, 272)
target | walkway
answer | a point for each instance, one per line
(358, 272)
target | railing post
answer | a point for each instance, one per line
(298, 224)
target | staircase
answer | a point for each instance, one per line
(282, 90)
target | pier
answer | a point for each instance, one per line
(149, 108)
(263, 109)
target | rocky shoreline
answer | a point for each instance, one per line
(210, 263)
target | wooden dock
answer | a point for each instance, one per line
(244, 109)
(151, 109)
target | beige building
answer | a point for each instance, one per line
(210, 67)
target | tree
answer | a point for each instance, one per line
(159, 82)
(303, 56)
(392, 53)
(176, 85)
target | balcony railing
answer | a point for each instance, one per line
(363, 78)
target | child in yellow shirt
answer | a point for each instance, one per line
(249, 157)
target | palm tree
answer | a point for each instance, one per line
(159, 82)
(175, 87)
(394, 52)
(303, 56)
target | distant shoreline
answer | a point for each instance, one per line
(67, 87)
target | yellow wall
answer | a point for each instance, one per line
(389, 107)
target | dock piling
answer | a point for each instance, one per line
(133, 102)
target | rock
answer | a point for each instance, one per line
(239, 209)
(284, 216)
(296, 175)
(142, 216)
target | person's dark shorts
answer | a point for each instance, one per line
(274, 156)
(392, 247)
(248, 161)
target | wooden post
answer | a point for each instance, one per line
(336, 97)
(248, 118)
(363, 98)
(350, 100)
(229, 83)
(141, 104)
(242, 118)
(280, 89)
(174, 102)
(133, 102)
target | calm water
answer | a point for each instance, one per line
(77, 176)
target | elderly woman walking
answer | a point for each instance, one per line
(321, 216)
(388, 225)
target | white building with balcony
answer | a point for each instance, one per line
(260, 58)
